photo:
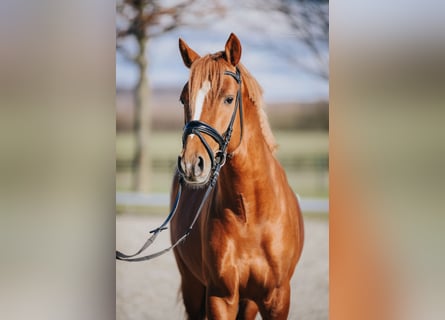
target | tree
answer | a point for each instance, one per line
(307, 23)
(310, 19)
(142, 20)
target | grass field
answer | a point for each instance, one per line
(303, 154)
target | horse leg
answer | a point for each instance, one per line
(193, 292)
(276, 305)
(193, 295)
(221, 306)
(247, 310)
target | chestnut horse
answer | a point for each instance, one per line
(241, 254)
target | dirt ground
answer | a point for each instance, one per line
(149, 290)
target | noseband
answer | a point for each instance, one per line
(199, 128)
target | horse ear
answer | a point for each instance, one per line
(188, 55)
(233, 49)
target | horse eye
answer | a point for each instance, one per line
(181, 101)
(228, 100)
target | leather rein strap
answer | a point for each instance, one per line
(218, 160)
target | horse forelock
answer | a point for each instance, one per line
(211, 68)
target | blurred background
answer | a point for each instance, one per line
(285, 46)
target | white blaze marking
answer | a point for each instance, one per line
(200, 100)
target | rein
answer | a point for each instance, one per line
(217, 159)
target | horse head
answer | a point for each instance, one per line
(212, 110)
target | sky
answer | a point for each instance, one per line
(282, 80)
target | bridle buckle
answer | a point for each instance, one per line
(220, 157)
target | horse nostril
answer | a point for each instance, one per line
(180, 165)
(199, 168)
(201, 163)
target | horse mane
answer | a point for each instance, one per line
(211, 65)
(255, 93)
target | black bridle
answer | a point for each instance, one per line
(198, 128)
(218, 159)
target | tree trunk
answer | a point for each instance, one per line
(142, 124)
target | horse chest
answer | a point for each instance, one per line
(244, 255)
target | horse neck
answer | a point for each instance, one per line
(253, 168)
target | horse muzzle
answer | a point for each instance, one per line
(194, 168)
